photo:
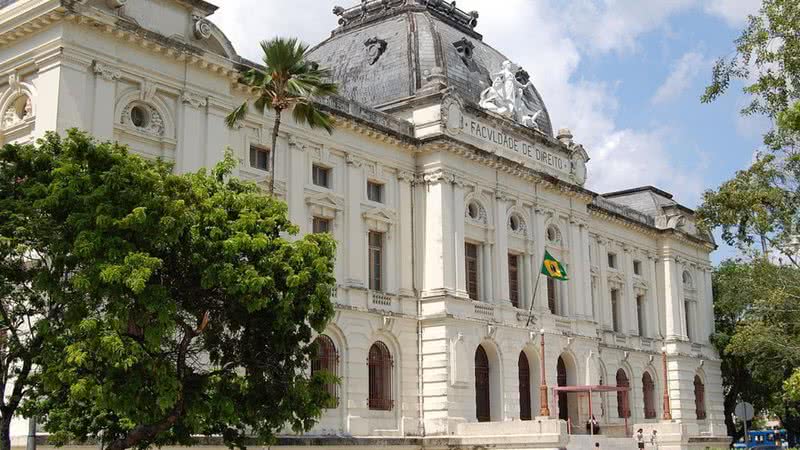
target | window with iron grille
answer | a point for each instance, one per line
(375, 261)
(321, 225)
(615, 310)
(513, 279)
(648, 392)
(259, 157)
(471, 263)
(482, 386)
(640, 306)
(321, 176)
(380, 367)
(326, 359)
(524, 387)
(699, 398)
(375, 191)
(623, 409)
(552, 295)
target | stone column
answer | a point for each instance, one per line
(486, 284)
(501, 290)
(708, 302)
(406, 247)
(105, 83)
(604, 296)
(459, 214)
(654, 322)
(295, 185)
(628, 306)
(574, 285)
(540, 238)
(672, 298)
(354, 224)
(586, 276)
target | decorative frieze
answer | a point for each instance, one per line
(106, 72)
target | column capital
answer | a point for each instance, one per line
(106, 71)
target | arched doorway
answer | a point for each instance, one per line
(524, 387)
(482, 386)
(699, 398)
(623, 408)
(563, 400)
(648, 392)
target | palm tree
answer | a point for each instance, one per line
(287, 81)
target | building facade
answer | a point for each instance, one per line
(444, 184)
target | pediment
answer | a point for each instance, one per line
(325, 200)
(380, 215)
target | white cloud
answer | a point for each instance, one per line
(549, 39)
(734, 12)
(684, 71)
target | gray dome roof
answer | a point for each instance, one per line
(385, 51)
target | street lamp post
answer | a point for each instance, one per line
(544, 410)
(667, 409)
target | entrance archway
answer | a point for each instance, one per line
(482, 386)
(524, 368)
(563, 400)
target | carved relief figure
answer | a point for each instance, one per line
(506, 96)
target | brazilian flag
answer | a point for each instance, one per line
(552, 268)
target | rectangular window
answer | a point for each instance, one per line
(321, 176)
(321, 225)
(471, 263)
(640, 314)
(375, 261)
(612, 260)
(259, 157)
(375, 192)
(552, 295)
(637, 267)
(513, 279)
(687, 306)
(615, 310)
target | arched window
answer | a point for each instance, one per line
(699, 398)
(524, 387)
(380, 377)
(482, 387)
(623, 409)
(326, 359)
(553, 235)
(648, 392)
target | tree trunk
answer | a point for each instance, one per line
(5, 432)
(730, 424)
(276, 127)
(143, 433)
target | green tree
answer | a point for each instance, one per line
(287, 81)
(30, 309)
(188, 310)
(757, 320)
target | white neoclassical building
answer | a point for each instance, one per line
(444, 184)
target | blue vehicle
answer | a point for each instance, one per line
(765, 440)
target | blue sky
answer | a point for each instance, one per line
(624, 75)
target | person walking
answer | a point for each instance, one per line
(654, 440)
(640, 438)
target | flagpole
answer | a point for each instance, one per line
(533, 300)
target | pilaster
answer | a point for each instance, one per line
(354, 226)
(500, 266)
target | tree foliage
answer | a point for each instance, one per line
(188, 310)
(758, 210)
(287, 81)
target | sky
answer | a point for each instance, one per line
(625, 76)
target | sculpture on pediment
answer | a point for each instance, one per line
(506, 95)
